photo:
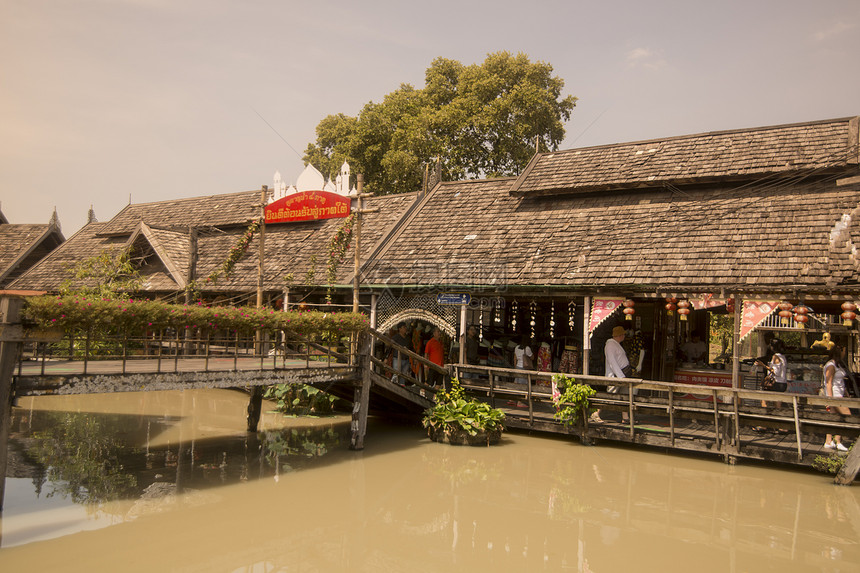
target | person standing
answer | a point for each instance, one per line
(835, 373)
(523, 357)
(470, 342)
(401, 361)
(435, 353)
(617, 366)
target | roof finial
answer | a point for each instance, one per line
(55, 220)
(91, 216)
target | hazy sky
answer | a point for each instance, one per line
(102, 100)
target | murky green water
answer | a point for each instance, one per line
(171, 482)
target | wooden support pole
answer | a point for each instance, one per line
(361, 401)
(356, 244)
(255, 408)
(10, 309)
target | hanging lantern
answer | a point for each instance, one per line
(730, 305)
(629, 311)
(670, 304)
(801, 314)
(848, 314)
(684, 309)
(785, 312)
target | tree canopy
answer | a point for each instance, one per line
(481, 120)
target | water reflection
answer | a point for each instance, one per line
(407, 504)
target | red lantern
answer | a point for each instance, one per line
(848, 314)
(684, 309)
(670, 304)
(628, 311)
(800, 314)
(784, 312)
(730, 305)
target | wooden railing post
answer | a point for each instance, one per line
(361, 395)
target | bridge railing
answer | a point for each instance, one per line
(385, 355)
(173, 350)
(730, 411)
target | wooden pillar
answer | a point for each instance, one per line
(586, 337)
(463, 326)
(361, 399)
(10, 309)
(255, 408)
(736, 345)
(374, 299)
(356, 242)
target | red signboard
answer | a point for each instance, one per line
(307, 206)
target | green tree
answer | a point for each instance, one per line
(478, 120)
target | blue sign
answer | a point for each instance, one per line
(453, 298)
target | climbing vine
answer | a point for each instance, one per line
(337, 248)
(239, 249)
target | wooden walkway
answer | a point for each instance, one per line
(725, 422)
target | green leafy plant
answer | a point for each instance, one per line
(830, 464)
(301, 399)
(108, 273)
(572, 400)
(454, 413)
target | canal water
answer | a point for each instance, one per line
(170, 481)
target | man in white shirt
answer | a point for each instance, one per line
(616, 362)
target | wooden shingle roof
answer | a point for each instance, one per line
(213, 210)
(22, 246)
(768, 235)
(714, 156)
(291, 248)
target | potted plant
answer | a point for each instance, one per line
(571, 399)
(460, 420)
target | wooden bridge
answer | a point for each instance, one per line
(730, 423)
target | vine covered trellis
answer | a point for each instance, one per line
(109, 314)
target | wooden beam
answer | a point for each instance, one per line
(850, 468)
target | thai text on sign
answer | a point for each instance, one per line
(307, 206)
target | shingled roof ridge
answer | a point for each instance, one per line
(703, 134)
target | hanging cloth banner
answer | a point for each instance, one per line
(706, 301)
(754, 313)
(600, 311)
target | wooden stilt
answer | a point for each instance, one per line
(255, 407)
(10, 308)
(361, 402)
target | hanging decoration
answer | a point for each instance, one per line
(552, 320)
(571, 312)
(848, 313)
(532, 316)
(785, 312)
(683, 309)
(601, 309)
(730, 305)
(753, 313)
(514, 309)
(801, 314)
(671, 303)
(628, 311)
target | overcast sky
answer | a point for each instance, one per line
(102, 100)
